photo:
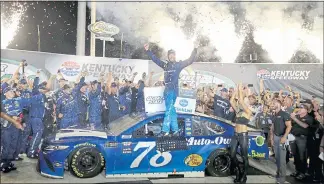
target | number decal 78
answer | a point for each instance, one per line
(153, 161)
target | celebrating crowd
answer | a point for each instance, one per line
(35, 110)
(291, 125)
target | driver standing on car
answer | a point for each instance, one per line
(172, 71)
(281, 126)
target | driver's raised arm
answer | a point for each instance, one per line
(155, 59)
(189, 61)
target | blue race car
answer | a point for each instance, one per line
(131, 148)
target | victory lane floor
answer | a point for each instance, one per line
(26, 173)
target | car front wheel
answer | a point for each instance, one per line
(86, 162)
(219, 163)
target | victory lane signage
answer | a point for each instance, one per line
(154, 101)
(120, 71)
(71, 66)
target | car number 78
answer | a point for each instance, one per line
(153, 161)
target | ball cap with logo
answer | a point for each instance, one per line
(224, 90)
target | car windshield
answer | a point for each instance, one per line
(119, 125)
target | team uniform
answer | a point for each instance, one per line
(171, 78)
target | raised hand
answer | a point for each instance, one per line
(146, 47)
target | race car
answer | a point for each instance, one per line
(131, 147)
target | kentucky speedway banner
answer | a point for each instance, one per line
(8, 68)
(71, 66)
(154, 101)
(306, 79)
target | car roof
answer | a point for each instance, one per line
(124, 123)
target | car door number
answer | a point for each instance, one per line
(153, 161)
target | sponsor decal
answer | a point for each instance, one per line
(257, 155)
(127, 143)
(259, 140)
(85, 144)
(127, 150)
(263, 74)
(70, 68)
(283, 75)
(154, 99)
(126, 136)
(187, 93)
(183, 103)
(184, 110)
(193, 160)
(57, 164)
(110, 144)
(192, 141)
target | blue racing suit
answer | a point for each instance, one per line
(57, 95)
(36, 115)
(82, 101)
(114, 110)
(95, 108)
(9, 133)
(67, 105)
(171, 78)
(125, 99)
(23, 135)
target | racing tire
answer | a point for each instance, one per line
(219, 163)
(86, 162)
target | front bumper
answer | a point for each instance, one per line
(48, 167)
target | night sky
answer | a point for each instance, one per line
(58, 22)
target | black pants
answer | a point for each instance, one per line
(242, 140)
(266, 134)
(315, 163)
(48, 125)
(298, 148)
(83, 120)
(105, 117)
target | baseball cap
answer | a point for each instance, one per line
(62, 79)
(113, 84)
(4, 85)
(304, 106)
(83, 84)
(22, 81)
(171, 52)
(94, 82)
(306, 101)
(42, 85)
(66, 86)
(7, 89)
(224, 90)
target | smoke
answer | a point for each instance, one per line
(281, 28)
(285, 28)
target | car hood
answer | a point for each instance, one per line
(76, 133)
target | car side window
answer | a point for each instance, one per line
(204, 127)
(154, 128)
